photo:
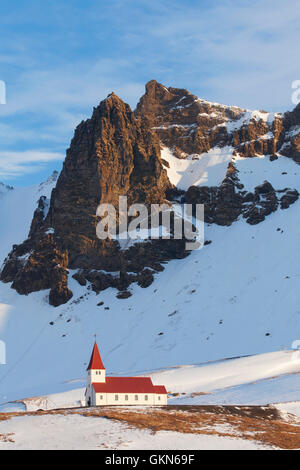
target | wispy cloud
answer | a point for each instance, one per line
(44, 106)
(14, 164)
(237, 52)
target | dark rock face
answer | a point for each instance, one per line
(190, 125)
(124, 295)
(182, 121)
(291, 144)
(224, 204)
(39, 215)
(36, 265)
(117, 153)
(111, 154)
(288, 198)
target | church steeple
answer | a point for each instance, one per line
(96, 370)
(96, 361)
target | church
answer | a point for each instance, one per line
(102, 390)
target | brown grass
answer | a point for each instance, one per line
(6, 416)
(268, 432)
(260, 424)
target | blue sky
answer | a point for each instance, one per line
(60, 58)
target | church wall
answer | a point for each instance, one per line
(160, 399)
(110, 399)
(96, 376)
(131, 399)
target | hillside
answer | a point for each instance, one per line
(235, 297)
(203, 313)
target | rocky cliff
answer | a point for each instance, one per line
(190, 126)
(118, 153)
(112, 154)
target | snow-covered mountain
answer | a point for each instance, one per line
(237, 296)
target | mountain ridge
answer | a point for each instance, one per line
(117, 152)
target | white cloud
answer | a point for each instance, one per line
(237, 52)
(80, 84)
(57, 99)
(243, 52)
(14, 164)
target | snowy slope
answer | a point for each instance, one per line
(281, 173)
(236, 296)
(248, 116)
(255, 380)
(16, 210)
(207, 169)
(78, 432)
(229, 373)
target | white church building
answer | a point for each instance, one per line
(102, 390)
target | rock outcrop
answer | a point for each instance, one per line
(291, 144)
(118, 153)
(112, 154)
(190, 125)
(225, 203)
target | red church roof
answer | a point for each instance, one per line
(161, 389)
(96, 361)
(128, 385)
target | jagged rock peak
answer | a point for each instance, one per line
(179, 97)
(112, 154)
(113, 97)
(156, 90)
(182, 121)
(191, 125)
(116, 153)
(113, 100)
(157, 96)
(106, 111)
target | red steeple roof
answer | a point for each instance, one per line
(96, 361)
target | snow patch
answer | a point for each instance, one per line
(206, 169)
(75, 432)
